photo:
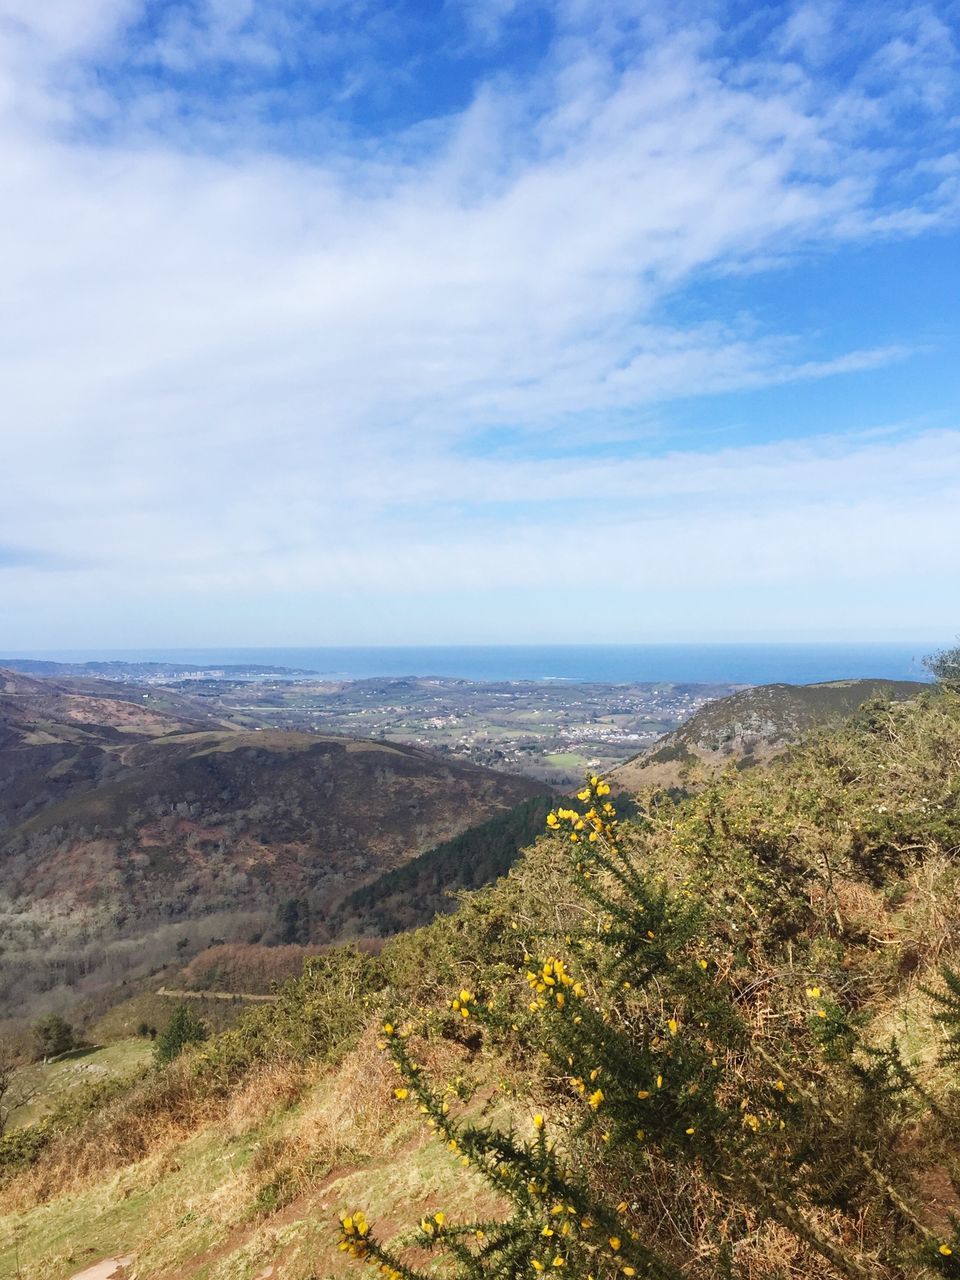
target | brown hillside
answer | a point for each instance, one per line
(128, 836)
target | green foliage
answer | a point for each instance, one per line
(945, 667)
(413, 894)
(20, 1147)
(948, 1015)
(293, 922)
(53, 1035)
(313, 1018)
(651, 1047)
(183, 1029)
(557, 1219)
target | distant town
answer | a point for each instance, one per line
(552, 730)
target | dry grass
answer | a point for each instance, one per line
(278, 1086)
(155, 1116)
(929, 923)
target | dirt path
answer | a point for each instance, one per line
(212, 995)
(109, 1269)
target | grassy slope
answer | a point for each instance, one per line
(50, 1082)
(216, 1185)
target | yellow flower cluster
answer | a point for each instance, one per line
(354, 1230)
(814, 993)
(552, 982)
(598, 821)
(566, 1221)
(433, 1226)
(461, 1004)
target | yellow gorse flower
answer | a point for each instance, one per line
(354, 1230)
(461, 1003)
(552, 982)
(595, 824)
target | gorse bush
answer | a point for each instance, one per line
(682, 1037)
(948, 1015)
(313, 1018)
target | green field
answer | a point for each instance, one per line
(53, 1080)
(569, 760)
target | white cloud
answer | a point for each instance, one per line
(239, 372)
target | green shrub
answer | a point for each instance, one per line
(183, 1029)
(666, 1059)
(945, 667)
(54, 1035)
(20, 1147)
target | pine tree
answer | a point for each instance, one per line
(183, 1029)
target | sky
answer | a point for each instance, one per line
(479, 321)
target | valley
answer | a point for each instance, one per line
(138, 831)
(550, 730)
(143, 825)
(762, 997)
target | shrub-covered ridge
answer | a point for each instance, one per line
(745, 1076)
(717, 1032)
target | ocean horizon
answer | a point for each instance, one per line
(599, 663)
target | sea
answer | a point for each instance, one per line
(740, 664)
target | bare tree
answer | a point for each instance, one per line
(15, 1089)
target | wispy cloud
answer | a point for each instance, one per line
(33, 559)
(247, 327)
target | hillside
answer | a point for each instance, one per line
(59, 737)
(750, 727)
(413, 894)
(748, 1077)
(130, 835)
(152, 672)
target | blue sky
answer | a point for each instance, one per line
(357, 322)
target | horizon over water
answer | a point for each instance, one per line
(598, 663)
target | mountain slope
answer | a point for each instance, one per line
(751, 726)
(804, 909)
(411, 895)
(125, 833)
(58, 737)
